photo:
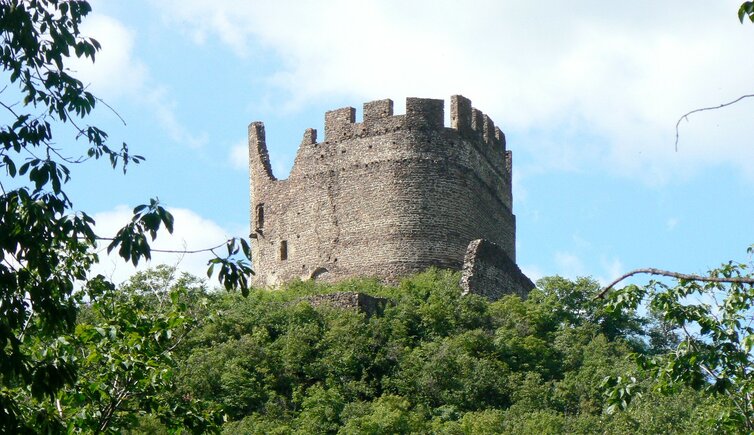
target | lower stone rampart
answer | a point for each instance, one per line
(489, 272)
(349, 300)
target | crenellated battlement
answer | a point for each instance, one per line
(390, 195)
(429, 113)
(470, 122)
(423, 114)
(379, 136)
(378, 119)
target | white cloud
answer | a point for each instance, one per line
(118, 73)
(191, 232)
(159, 102)
(619, 74)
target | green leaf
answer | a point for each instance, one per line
(746, 10)
(748, 343)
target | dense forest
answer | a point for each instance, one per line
(162, 353)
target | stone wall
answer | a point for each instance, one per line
(385, 197)
(349, 300)
(487, 271)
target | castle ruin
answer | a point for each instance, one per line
(388, 197)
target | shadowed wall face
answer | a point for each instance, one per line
(386, 197)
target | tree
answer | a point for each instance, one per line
(707, 326)
(125, 345)
(124, 348)
(714, 316)
(45, 243)
(433, 361)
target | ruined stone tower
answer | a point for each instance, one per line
(388, 197)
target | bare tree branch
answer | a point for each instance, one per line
(112, 110)
(652, 271)
(686, 116)
(177, 251)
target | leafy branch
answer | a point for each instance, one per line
(178, 251)
(45, 247)
(132, 244)
(683, 276)
(714, 314)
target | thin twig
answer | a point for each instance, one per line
(686, 116)
(70, 160)
(112, 110)
(9, 108)
(652, 271)
(176, 251)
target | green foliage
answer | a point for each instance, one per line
(386, 414)
(123, 350)
(432, 362)
(235, 267)
(132, 239)
(714, 353)
(685, 411)
(45, 244)
(44, 248)
(126, 362)
(746, 11)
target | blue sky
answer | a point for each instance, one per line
(587, 95)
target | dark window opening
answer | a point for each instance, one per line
(284, 250)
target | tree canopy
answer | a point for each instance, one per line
(713, 316)
(162, 353)
(45, 242)
(433, 361)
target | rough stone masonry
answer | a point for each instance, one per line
(388, 197)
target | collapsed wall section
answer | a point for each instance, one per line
(489, 272)
(385, 197)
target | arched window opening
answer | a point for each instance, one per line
(318, 272)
